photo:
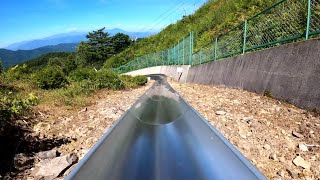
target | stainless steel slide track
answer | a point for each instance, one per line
(162, 137)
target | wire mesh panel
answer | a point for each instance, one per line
(203, 56)
(179, 54)
(230, 43)
(315, 17)
(207, 55)
(284, 21)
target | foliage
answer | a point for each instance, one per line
(108, 79)
(97, 49)
(100, 47)
(213, 18)
(120, 42)
(64, 58)
(83, 74)
(135, 81)
(50, 78)
(1, 67)
(12, 106)
(91, 79)
(17, 72)
(140, 80)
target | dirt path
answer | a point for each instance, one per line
(261, 128)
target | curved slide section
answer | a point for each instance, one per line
(162, 137)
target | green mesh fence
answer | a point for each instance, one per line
(315, 17)
(285, 21)
(230, 43)
(179, 54)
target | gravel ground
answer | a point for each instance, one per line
(260, 127)
(280, 139)
(85, 127)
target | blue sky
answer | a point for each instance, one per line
(31, 19)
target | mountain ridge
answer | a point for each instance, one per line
(11, 58)
(71, 37)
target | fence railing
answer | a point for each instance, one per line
(179, 54)
(285, 21)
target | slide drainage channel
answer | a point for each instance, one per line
(162, 137)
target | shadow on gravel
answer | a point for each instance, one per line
(16, 139)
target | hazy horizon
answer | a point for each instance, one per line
(30, 20)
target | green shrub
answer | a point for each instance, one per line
(82, 74)
(17, 72)
(50, 78)
(108, 79)
(133, 82)
(12, 106)
(139, 80)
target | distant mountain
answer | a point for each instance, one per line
(11, 58)
(72, 37)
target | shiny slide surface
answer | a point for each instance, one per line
(161, 137)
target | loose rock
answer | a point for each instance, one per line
(303, 147)
(267, 147)
(299, 161)
(281, 173)
(293, 174)
(47, 154)
(296, 134)
(220, 113)
(273, 156)
(51, 168)
(276, 178)
(22, 161)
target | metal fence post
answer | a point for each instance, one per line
(215, 49)
(147, 63)
(179, 52)
(200, 56)
(308, 20)
(162, 58)
(245, 36)
(190, 48)
(183, 51)
(168, 57)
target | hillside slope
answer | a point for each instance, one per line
(212, 19)
(11, 58)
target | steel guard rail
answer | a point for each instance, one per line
(162, 137)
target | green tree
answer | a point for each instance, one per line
(96, 50)
(55, 61)
(120, 42)
(1, 67)
(70, 65)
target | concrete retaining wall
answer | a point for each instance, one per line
(290, 72)
(170, 71)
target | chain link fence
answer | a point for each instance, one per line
(179, 54)
(285, 21)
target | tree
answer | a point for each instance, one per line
(120, 42)
(1, 67)
(97, 50)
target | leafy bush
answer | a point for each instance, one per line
(83, 74)
(132, 82)
(50, 78)
(140, 80)
(12, 106)
(1, 67)
(17, 72)
(108, 79)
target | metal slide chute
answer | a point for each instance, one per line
(162, 137)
